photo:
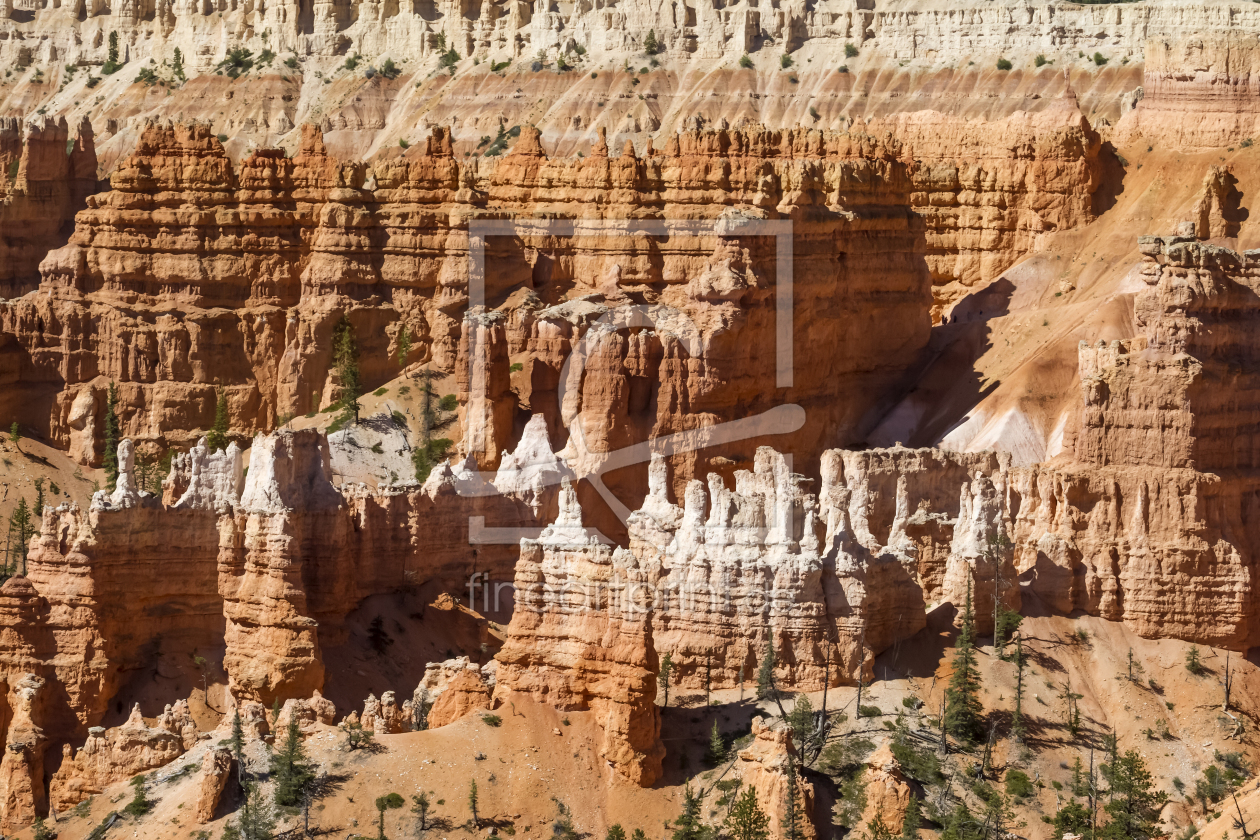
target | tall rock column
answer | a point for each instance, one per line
(578, 641)
(272, 640)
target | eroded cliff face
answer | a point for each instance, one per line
(261, 577)
(45, 177)
(1148, 524)
(269, 258)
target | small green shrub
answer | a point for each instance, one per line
(1040, 60)
(500, 66)
(869, 711)
(380, 392)
(140, 803)
(390, 70)
(223, 138)
(1099, 59)
(291, 62)
(850, 51)
(745, 61)
(515, 366)
(1003, 64)
(843, 68)
(785, 61)
(492, 720)
(1018, 784)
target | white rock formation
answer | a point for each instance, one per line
(214, 479)
(534, 471)
(287, 472)
(354, 456)
(125, 494)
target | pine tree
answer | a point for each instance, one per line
(961, 825)
(39, 497)
(237, 743)
(111, 63)
(289, 768)
(790, 826)
(963, 709)
(217, 439)
(914, 816)
(140, 803)
(615, 832)
(1000, 816)
(765, 674)
(1135, 804)
(638, 835)
(15, 433)
(877, 829)
(420, 807)
(1072, 818)
(20, 532)
(667, 668)
(388, 802)
(717, 745)
(801, 720)
(346, 363)
(472, 802)
(650, 46)
(747, 821)
(1017, 718)
(404, 345)
(258, 818)
(110, 459)
(688, 825)
(177, 64)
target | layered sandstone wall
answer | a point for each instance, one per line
(263, 261)
(1147, 523)
(1197, 92)
(46, 175)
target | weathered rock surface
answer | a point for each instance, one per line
(452, 689)
(576, 645)
(22, 793)
(117, 754)
(45, 178)
(216, 768)
(887, 791)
